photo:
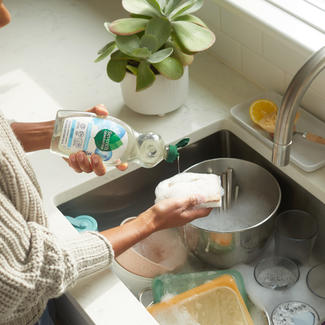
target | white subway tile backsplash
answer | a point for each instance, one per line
(262, 72)
(241, 30)
(317, 87)
(264, 56)
(319, 84)
(282, 54)
(228, 51)
(210, 14)
(314, 103)
(287, 80)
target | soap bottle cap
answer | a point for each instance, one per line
(172, 150)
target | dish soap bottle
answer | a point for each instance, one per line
(110, 138)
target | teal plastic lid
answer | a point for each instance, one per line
(83, 223)
(172, 152)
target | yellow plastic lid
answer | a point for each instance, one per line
(215, 302)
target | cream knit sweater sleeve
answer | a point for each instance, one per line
(34, 265)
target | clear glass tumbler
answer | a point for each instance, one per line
(316, 280)
(276, 273)
(295, 235)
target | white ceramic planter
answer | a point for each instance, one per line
(162, 97)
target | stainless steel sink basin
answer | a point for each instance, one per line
(132, 193)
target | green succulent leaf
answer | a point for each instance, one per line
(192, 19)
(170, 6)
(185, 59)
(140, 16)
(150, 42)
(118, 55)
(160, 28)
(128, 26)
(127, 44)
(171, 68)
(141, 53)
(106, 25)
(139, 7)
(101, 57)
(155, 4)
(106, 47)
(187, 7)
(106, 51)
(175, 40)
(132, 69)
(145, 76)
(192, 37)
(162, 3)
(116, 69)
(160, 55)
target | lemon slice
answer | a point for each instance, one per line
(263, 112)
(261, 108)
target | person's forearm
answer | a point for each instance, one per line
(169, 213)
(34, 136)
(125, 236)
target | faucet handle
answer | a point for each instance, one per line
(311, 137)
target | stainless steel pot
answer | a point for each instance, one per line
(239, 234)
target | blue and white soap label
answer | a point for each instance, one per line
(103, 137)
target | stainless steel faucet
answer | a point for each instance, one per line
(290, 104)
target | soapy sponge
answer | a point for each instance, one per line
(181, 185)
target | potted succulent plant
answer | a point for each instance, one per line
(151, 51)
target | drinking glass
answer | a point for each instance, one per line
(316, 280)
(276, 272)
(295, 235)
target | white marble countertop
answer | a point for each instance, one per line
(54, 69)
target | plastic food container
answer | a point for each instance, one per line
(161, 252)
(135, 283)
(174, 284)
(215, 302)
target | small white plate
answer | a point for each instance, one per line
(307, 155)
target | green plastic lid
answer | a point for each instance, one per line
(172, 152)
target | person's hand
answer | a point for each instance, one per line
(168, 213)
(172, 213)
(4, 15)
(81, 163)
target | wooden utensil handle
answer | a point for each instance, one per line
(315, 138)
